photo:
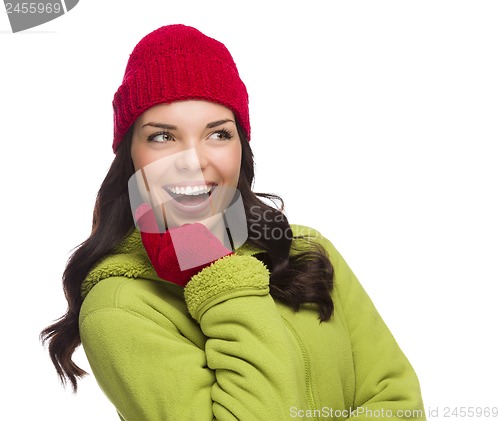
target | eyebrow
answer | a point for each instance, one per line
(210, 125)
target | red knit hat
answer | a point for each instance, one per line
(173, 63)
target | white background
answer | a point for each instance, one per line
(376, 121)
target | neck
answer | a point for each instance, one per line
(217, 227)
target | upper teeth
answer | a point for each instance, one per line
(190, 190)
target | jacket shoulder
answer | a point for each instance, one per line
(309, 234)
(142, 297)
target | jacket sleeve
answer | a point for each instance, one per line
(248, 346)
(244, 372)
(386, 384)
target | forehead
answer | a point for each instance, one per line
(186, 112)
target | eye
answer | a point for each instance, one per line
(222, 134)
(161, 137)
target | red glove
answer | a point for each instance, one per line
(179, 253)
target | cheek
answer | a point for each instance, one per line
(230, 165)
(137, 155)
(142, 157)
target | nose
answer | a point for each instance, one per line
(191, 160)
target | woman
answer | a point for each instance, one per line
(198, 315)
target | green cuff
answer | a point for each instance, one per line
(230, 277)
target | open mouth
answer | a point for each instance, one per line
(191, 195)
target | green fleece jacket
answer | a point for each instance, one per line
(223, 349)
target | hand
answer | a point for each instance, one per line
(179, 253)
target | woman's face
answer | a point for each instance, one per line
(189, 156)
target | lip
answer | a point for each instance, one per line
(190, 210)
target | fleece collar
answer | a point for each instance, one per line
(131, 261)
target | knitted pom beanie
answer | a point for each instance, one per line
(173, 63)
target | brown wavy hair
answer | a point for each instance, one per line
(298, 274)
